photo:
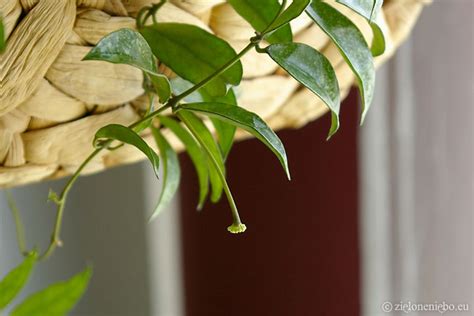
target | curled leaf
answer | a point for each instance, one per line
(171, 171)
(128, 136)
(195, 152)
(204, 137)
(351, 44)
(246, 120)
(370, 10)
(127, 46)
(214, 159)
(313, 70)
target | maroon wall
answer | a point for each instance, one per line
(299, 255)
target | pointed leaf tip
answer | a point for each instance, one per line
(313, 70)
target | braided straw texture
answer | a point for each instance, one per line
(51, 103)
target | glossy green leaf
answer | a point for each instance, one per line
(2, 36)
(292, 12)
(246, 120)
(207, 142)
(128, 136)
(171, 171)
(225, 132)
(194, 54)
(57, 299)
(313, 70)
(15, 280)
(194, 150)
(369, 9)
(351, 44)
(127, 46)
(124, 46)
(260, 14)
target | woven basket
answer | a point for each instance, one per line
(51, 103)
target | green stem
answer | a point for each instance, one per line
(219, 72)
(55, 240)
(235, 212)
(20, 230)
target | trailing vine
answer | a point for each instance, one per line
(207, 69)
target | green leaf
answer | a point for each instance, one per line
(57, 299)
(2, 36)
(128, 136)
(124, 46)
(204, 137)
(313, 70)
(246, 120)
(260, 15)
(378, 42)
(362, 7)
(225, 132)
(369, 9)
(194, 150)
(127, 46)
(15, 280)
(292, 12)
(194, 54)
(171, 171)
(351, 44)
(161, 85)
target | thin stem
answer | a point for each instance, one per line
(228, 193)
(55, 239)
(140, 16)
(20, 230)
(223, 69)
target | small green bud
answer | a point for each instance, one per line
(236, 228)
(53, 197)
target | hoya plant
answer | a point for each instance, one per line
(202, 93)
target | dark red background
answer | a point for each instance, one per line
(299, 255)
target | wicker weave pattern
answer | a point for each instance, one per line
(51, 102)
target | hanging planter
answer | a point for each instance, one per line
(52, 102)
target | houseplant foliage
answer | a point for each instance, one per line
(202, 95)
